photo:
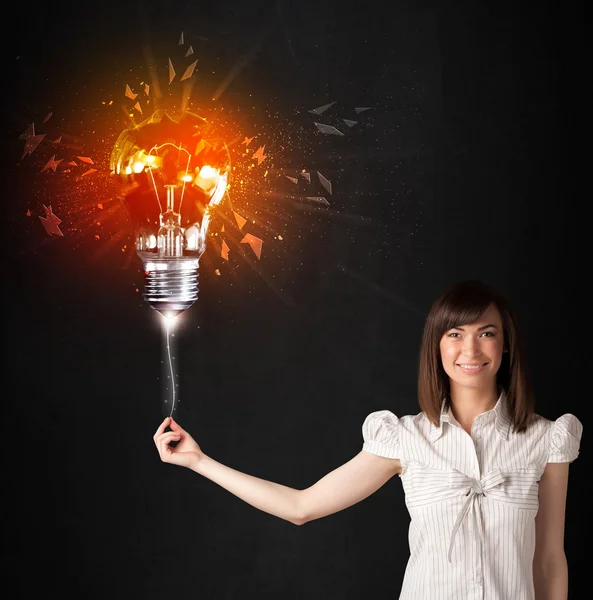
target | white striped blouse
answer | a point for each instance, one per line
(472, 499)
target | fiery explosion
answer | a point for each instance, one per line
(84, 199)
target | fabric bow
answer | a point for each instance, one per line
(475, 489)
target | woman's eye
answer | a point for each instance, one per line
(454, 334)
(488, 334)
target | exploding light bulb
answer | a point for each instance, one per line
(174, 178)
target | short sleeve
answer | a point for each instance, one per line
(380, 432)
(565, 439)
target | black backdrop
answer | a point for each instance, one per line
(470, 166)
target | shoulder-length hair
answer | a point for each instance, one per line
(465, 302)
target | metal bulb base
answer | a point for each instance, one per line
(170, 283)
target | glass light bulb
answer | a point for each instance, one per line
(170, 190)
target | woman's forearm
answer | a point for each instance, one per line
(551, 580)
(273, 498)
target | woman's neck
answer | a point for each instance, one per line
(468, 403)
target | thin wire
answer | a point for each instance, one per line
(168, 329)
(155, 189)
(184, 182)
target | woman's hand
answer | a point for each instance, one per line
(185, 453)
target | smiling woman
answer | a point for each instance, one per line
(485, 478)
(475, 349)
(471, 350)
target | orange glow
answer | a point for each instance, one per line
(207, 172)
(207, 178)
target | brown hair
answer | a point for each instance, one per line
(465, 302)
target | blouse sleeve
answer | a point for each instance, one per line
(565, 439)
(380, 432)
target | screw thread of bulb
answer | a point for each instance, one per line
(170, 284)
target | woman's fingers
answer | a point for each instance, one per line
(165, 439)
(174, 425)
(168, 436)
(161, 428)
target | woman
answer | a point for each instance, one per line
(485, 478)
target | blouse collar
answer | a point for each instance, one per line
(500, 414)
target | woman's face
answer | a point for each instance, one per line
(471, 353)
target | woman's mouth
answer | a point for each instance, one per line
(471, 367)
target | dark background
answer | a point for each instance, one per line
(472, 166)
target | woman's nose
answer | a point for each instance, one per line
(470, 347)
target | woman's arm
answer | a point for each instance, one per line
(550, 569)
(348, 484)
